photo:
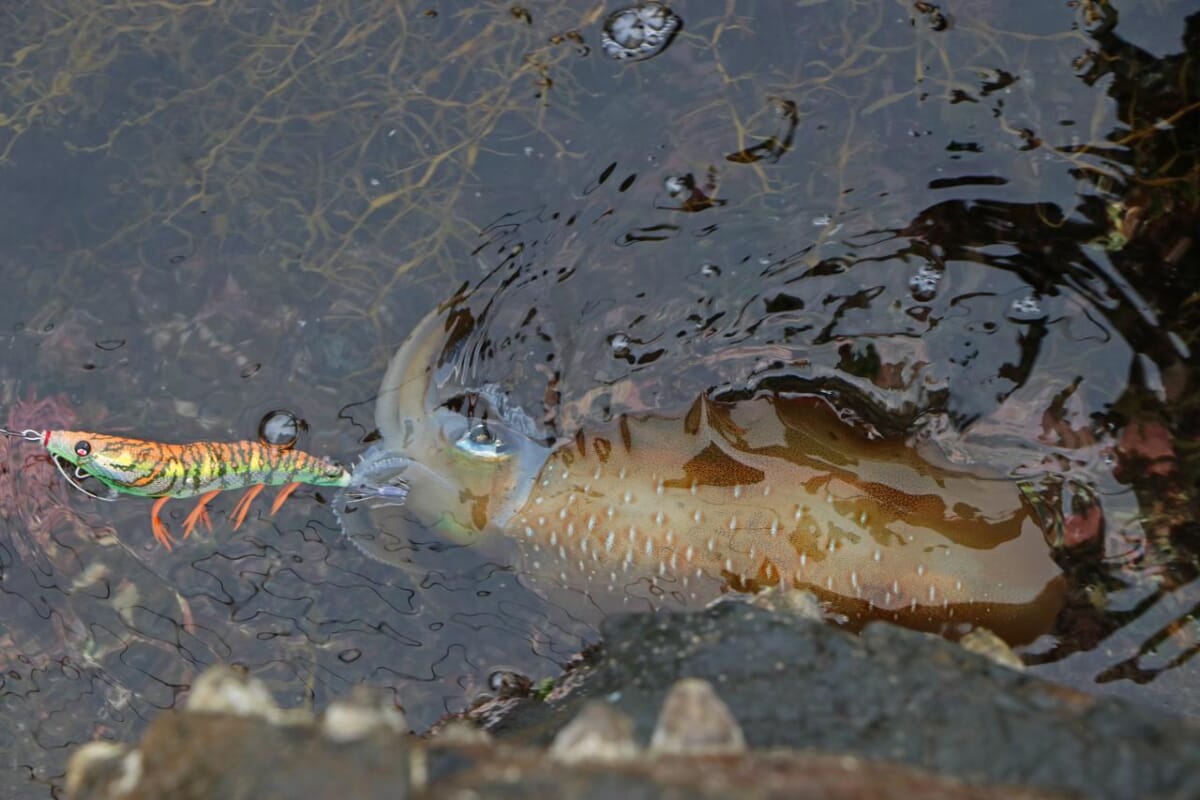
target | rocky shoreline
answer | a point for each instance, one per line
(737, 699)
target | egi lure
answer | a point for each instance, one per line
(197, 469)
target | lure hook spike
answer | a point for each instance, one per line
(76, 476)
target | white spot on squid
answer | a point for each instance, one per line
(712, 544)
(541, 522)
(862, 518)
(553, 538)
(591, 523)
(876, 556)
(659, 489)
(693, 488)
(570, 530)
(562, 553)
(803, 559)
(596, 474)
(697, 516)
(608, 542)
(733, 522)
(608, 511)
(562, 513)
(920, 569)
(854, 579)
(737, 491)
(627, 496)
(633, 534)
(529, 532)
(649, 547)
(729, 565)
(774, 527)
(658, 518)
(766, 490)
(621, 474)
(896, 588)
(958, 586)
(932, 593)
(691, 551)
(829, 583)
(539, 500)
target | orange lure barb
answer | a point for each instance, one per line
(198, 469)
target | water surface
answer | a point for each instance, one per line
(975, 231)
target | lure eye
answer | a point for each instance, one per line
(82, 448)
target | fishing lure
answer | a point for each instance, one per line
(198, 469)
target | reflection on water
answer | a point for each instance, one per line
(974, 233)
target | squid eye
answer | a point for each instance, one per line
(481, 441)
(82, 448)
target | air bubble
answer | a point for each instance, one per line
(679, 184)
(924, 283)
(280, 428)
(620, 344)
(639, 32)
(1026, 309)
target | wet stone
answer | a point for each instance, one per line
(362, 714)
(989, 645)
(788, 600)
(598, 733)
(101, 769)
(694, 720)
(460, 732)
(230, 690)
(889, 694)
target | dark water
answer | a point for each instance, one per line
(978, 228)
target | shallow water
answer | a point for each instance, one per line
(979, 238)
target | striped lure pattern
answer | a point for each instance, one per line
(198, 469)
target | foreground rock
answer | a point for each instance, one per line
(733, 701)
